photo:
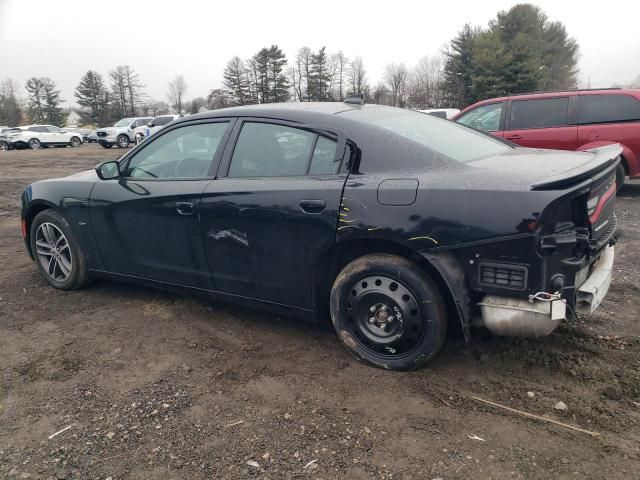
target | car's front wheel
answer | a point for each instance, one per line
(388, 312)
(75, 142)
(34, 144)
(123, 141)
(4, 146)
(57, 253)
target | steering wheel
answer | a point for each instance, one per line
(190, 167)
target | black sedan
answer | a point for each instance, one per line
(393, 222)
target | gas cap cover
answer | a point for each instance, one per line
(398, 191)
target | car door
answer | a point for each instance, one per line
(488, 118)
(146, 222)
(272, 211)
(41, 132)
(543, 123)
(55, 135)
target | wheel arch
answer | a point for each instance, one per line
(443, 268)
(35, 207)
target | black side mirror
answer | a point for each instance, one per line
(108, 170)
(150, 124)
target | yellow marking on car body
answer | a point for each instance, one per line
(424, 237)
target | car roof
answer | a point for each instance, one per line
(293, 111)
(562, 93)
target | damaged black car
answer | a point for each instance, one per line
(394, 223)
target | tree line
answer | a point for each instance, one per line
(519, 51)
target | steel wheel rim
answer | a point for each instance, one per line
(384, 316)
(53, 251)
(3, 146)
(34, 144)
(123, 142)
(75, 142)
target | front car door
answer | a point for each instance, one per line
(543, 123)
(487, 118)
(273, 211)
(146, 222)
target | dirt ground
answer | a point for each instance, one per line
(154, 385)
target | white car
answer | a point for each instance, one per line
(37, 136)
(145, 131)
(121, 133)
(442, 112)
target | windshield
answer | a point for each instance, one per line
(443, 136)
(124, 122)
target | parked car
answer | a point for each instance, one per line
(393, 222)
(145, 131)
(91, 137)
(5, 143)
(37, 136)
(572, 120)
(447, 113)
(121, 134)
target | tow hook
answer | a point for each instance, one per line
(613, 241)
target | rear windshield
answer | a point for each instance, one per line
(455, 141)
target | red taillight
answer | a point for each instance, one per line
(24, 229)
(596, 203)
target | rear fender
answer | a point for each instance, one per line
(630, 161)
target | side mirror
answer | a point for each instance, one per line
(108, 170)
(150, 124)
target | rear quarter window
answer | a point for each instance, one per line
(607, 109)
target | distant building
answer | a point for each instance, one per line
(73, 119)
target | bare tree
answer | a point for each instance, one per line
(218, 98)
(357, 76)
(177, 90)
(126, 90)
(427, 83)
(339, 64)
(395, 76)
(10, 108)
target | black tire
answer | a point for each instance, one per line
(620, 177)
(371, 287)
(34, 144)
(75, 142)
(4, 146)
(122, 141)
(106, 145)
(75, 258)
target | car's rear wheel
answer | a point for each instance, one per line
(123, 141)
(34, 144)
(388, 312)
(75, 142)
(106, 145)
(57, 253)
(4, 146)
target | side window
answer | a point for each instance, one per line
(548, 112)
(186, 152)
(324, 157)
(485, 118)
(162, 121)
(607, 109)
(38, 129)
(53, 129)
(270, 150)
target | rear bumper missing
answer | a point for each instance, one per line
(595, 288)
(516, 317)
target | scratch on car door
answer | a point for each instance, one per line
(233, 234)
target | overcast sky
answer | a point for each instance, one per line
(62, 39)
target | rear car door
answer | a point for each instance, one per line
(273, 210)
(146, 222)
(488, 118)
(543, 123)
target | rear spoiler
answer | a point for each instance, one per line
(603, 157)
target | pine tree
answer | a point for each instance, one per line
(459, 68)
(319, 77)
(44, 101)
(91, 94)
(236, 81)
(278, 79)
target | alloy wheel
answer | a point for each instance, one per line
(34, 144)
(4, 146)
(384, 316)
(53, 251)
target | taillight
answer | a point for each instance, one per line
(24, 229)
(597, 201)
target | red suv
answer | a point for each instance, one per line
(572, 120)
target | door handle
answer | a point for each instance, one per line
(514, 137)
(312, 206)
(184, 208)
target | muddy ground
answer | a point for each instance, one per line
(159, 386)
